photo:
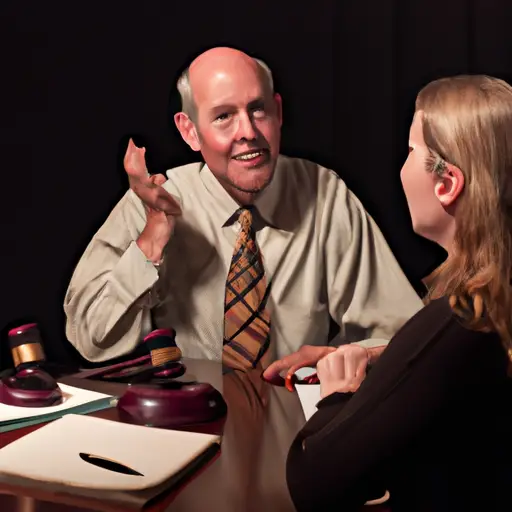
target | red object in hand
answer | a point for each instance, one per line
(291, 379)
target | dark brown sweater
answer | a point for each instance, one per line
(431, 423)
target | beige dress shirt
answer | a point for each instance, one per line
(323, 254)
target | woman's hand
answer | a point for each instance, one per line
(343, 370)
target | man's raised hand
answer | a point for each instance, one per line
(151, 193)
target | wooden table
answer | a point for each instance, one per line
(249, 474)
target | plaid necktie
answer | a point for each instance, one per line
(246, 318)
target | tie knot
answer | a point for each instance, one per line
(245, 218)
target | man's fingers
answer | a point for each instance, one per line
(163, 200)
(166, 203)
(132, 149)
(276, 368)
(291, 363)
(134, 161)
(154, 196)
(306, 356)
(159, 179)
(148, 188)
(169, 204)
(297, 366)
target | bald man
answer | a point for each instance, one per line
(246, 254)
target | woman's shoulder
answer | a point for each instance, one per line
(437, 341)
(431, 318)
(437, 323)
(437, 315)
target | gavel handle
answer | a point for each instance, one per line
(169, 370)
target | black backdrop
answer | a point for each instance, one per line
(77, 77)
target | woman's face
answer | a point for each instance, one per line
(429, 217)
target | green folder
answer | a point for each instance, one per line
(76, 400)
(95, 405)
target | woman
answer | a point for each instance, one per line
(430, 422)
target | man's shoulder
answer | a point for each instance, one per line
(304, 170)
(184, 173)
(183, 179)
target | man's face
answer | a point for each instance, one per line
(239, 128)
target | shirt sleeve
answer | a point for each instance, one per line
(341, 453)
(109, 298)
(369, 295)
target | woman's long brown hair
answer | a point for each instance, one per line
(467, 122)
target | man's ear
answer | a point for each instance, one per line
(187, 130)
(450, 185)
(279, 106)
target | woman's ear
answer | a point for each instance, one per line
(449, 185)
(187, 130)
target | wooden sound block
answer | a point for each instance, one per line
(172, 404)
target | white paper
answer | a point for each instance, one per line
(309, 396)
(156, 453)
(72, 397)
(304, 372)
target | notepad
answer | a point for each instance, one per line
(309, 396)
(149, 456)
(75, 400)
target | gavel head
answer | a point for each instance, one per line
(26, 347)
(30, 386)
(162, 346)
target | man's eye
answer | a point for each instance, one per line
(222, 117)
(411, 149)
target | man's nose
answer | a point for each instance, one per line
(245, 128)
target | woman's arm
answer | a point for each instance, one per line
(341, 453)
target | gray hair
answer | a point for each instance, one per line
(187, 99)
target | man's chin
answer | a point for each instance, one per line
(252, 181)
(253, 186)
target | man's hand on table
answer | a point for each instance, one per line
(161, 208)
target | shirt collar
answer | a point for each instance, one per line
(266, 203)
(226, 205)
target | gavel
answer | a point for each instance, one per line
(154, 398)
(29, 385)
(165, 363)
